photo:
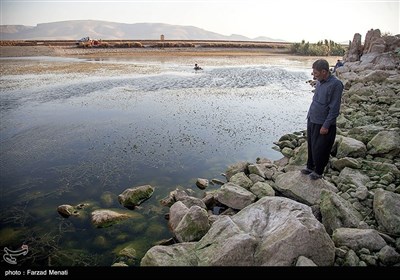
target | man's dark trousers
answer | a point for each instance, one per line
(319, 146)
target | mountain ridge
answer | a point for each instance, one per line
(76, 29)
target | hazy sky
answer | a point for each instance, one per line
(311, 20)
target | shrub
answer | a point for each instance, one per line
(321, 48)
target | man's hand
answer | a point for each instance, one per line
(323, 131)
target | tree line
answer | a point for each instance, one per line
(322, 48)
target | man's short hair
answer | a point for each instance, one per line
(321, 64)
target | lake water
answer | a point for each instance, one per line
(83, 130)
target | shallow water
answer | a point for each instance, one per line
(88, 130)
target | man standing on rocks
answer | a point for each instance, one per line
(321, 119)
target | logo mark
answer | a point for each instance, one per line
(10, 255)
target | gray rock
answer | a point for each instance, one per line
(385, 142)
(388, 256)
(337, 212)
(242, 180)
(340, 252)
(236, 168)
(351, 259)
(273, 231)
(376, 76)
(181, 254)
(106, 218)
(67, 210)
(176, 213)
(256, 178)
(301, 188)
(234, 196)
(258, 169)
(387, 210)
(354, 177)
(357, 239)
(202, 183)
(350, 147)
(190, 201)
(226, 244)
(287, 152)
(300, 155)
(340, 164)
(378, 168)
(262, 189)
(361, 193)
(303, 261)
(133, 197)
(193, 225)
(365, 133)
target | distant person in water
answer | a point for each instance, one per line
(197, 67)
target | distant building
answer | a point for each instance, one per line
(162, 37)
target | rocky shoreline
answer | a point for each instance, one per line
(268, 214)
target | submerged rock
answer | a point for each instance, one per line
(132, 197)
(202, 183)
(106, 218)
(67, 210)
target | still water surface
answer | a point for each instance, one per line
(70, 136)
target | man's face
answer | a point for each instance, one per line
(319, 75)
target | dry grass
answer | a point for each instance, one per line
(17, 43)
(140, 48)
(209, 49)
(150, 43)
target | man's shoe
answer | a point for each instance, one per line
(306, 171)
(315, 176)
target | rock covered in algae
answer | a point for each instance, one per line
(106, 218)
(132, 197)
(67, 210)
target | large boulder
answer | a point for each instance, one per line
(385, 142)
(355, 177)
(181, 254)
(176, 213)
(357, 239)
(355, 49)
(193, 225)
(234, 196)
(274, 231)
(387, 211)
(301, 188)
(350, 147)
(337, 212)
(365, 133)
(371, 36)
(226, 244)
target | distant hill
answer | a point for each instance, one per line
(76, 29)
